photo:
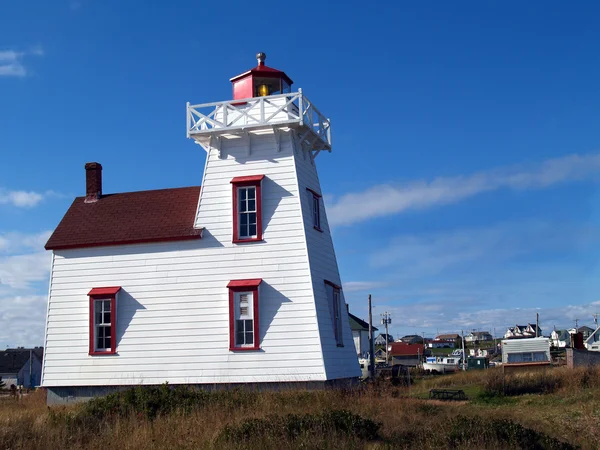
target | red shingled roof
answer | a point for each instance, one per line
(129, 218)
(402, 349)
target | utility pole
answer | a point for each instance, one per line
(386, 320)
(464, 357)
(537, 324)
(371, 342)
(576, 323)
(596, 319)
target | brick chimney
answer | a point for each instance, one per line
(93, 182)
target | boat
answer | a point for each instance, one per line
(443, 364)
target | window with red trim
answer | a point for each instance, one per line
(243, 314)
(103, 320)
(334, 300)
(247, 208)
(315, 202)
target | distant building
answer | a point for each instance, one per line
(441, 343)
(406, 354)
(592, 343)
(384, 339)
(454, 337)
(585, 331)
(21, 366)
(479, 336)
(411, 339)
(528, 351)
(560, 338)
(523, 331)
(360, 334)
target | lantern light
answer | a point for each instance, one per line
(263, 90)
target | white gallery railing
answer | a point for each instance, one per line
(293, 109)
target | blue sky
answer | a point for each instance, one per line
(463, 185)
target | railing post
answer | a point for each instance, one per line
(262, 110)
(189, 119)
(300, 107)
(225, 113)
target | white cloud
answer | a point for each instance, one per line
(388, 199)
(11, 61)
(24, 273)
(445, 318)
(25, 199)
(431, 253)
(22, 319)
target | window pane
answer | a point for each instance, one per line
(107, 305)
(252, 218)
(249, 338)
(251, 193)
(107, 341)
(244, 219)
(107, 317)
(251, 205)
(242, 194)
(242, 206)
(252, 230)
(98, 318)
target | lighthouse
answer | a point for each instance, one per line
(231, 282)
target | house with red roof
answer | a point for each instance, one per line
(231, 282)
(406, 354)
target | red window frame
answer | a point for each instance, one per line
(337, 311)
(315, 197)
(104, 293)
(234, 286)
(237, 182)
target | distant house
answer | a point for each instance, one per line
(585, 331)
(560, 338)
(478, 336)
(406, 354)
(592, 343)
(441, 343)
(21, 366)
(360, 334)
(384, 339)
(453, 337)
(523, 331)
(411, 339)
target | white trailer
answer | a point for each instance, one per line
(525, 350)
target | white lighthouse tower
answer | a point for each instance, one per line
(234, 282)
(261, 200)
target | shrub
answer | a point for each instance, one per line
(479, 430)
(292, 426)
(151, 401)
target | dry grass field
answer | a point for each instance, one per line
(557, 410)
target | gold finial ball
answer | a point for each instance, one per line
(261, 57)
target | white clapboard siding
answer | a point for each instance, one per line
(340, 362)
(173, 310)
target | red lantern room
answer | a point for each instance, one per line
(261, 81)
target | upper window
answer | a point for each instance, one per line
(334, 299)
(103, 320)
(247, 208)
(243, 314)
(315, 202)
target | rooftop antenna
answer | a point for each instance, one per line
(596, 319)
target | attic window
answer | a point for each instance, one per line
(103, 320)
(247, 208)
